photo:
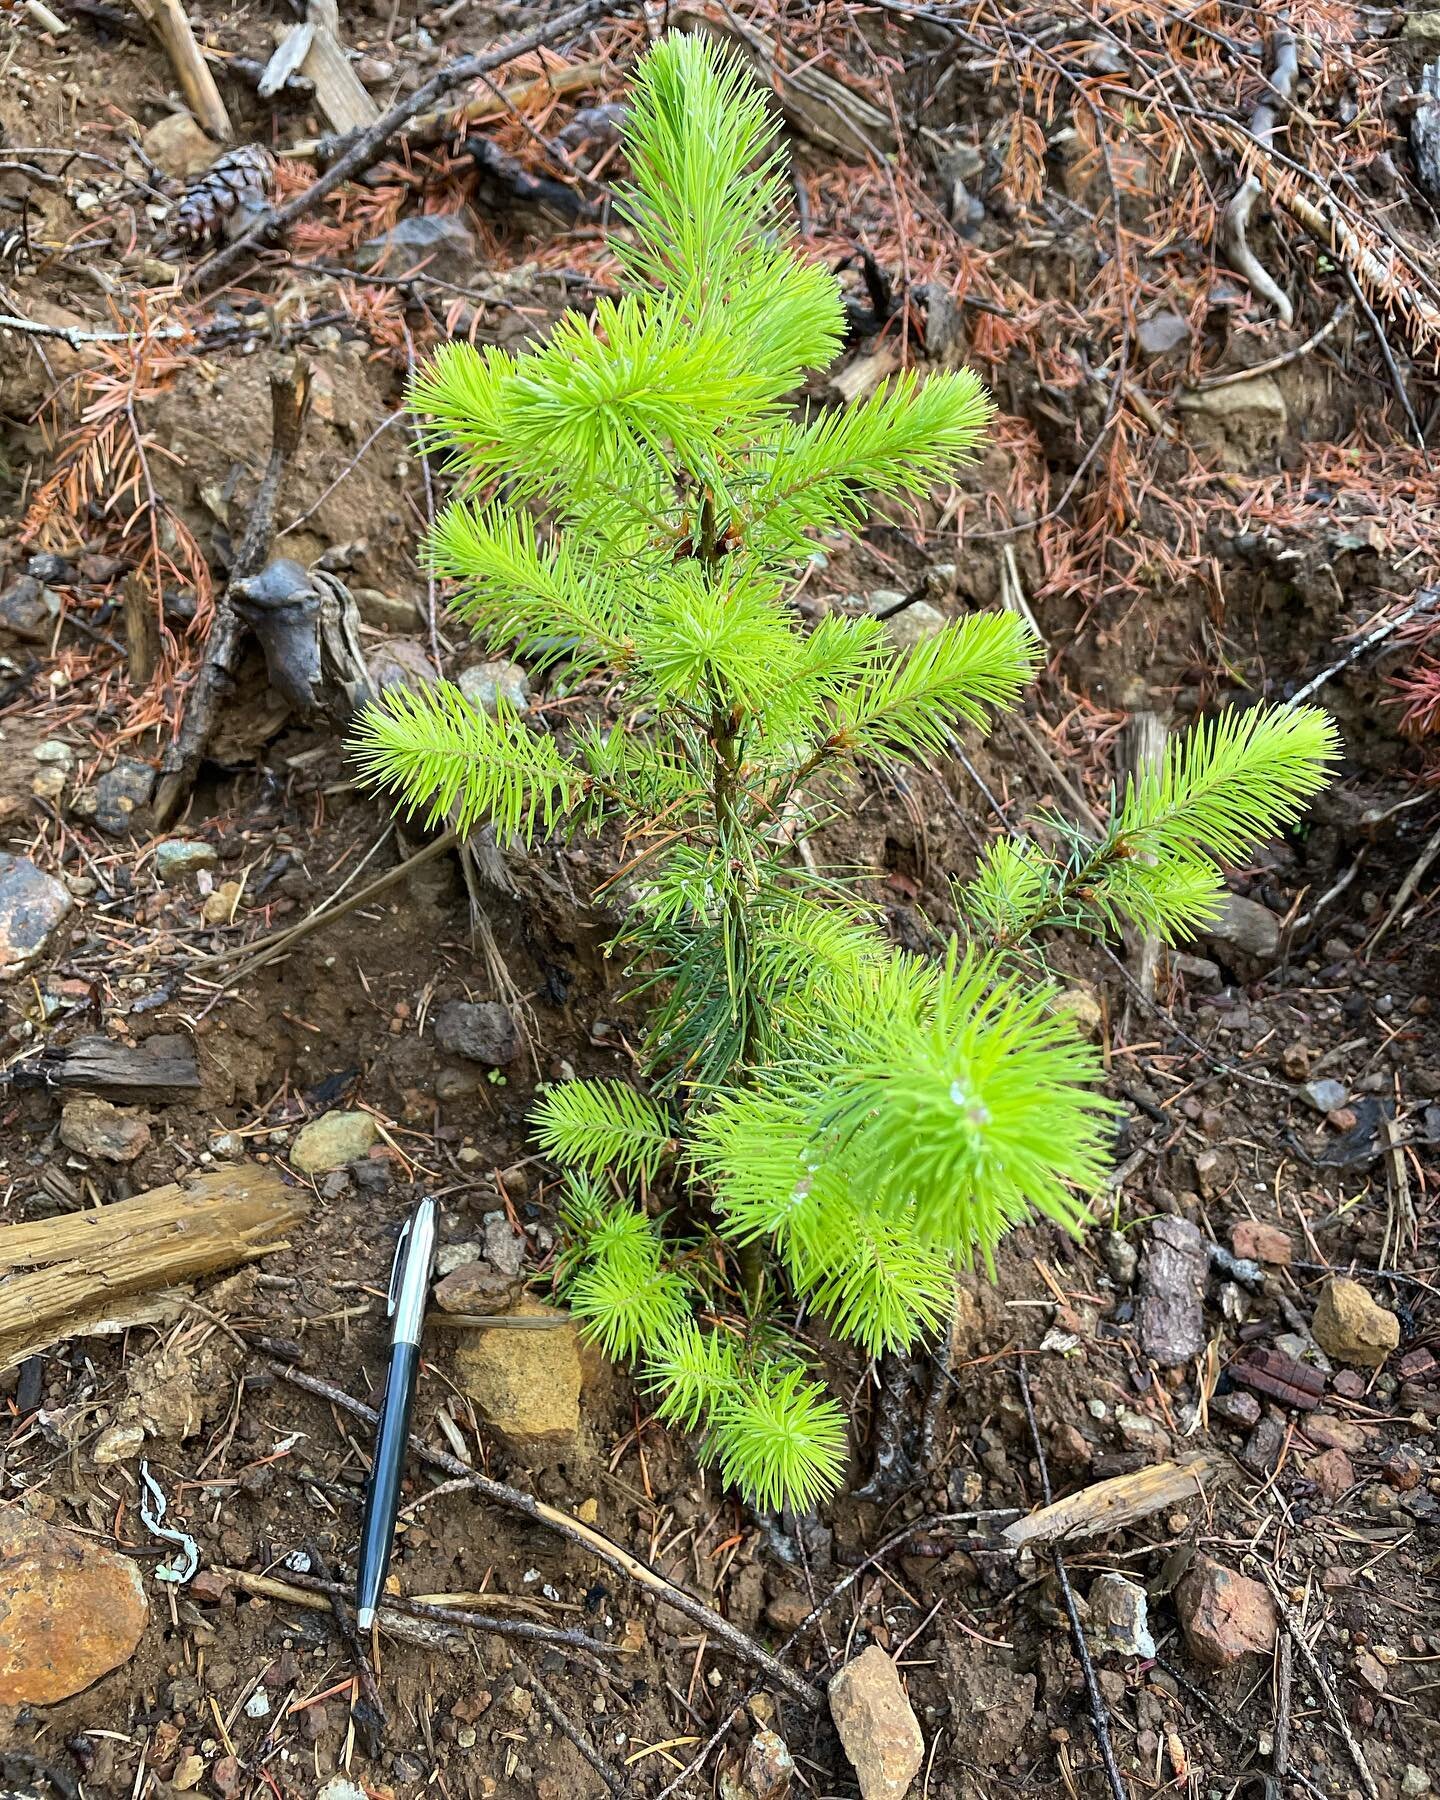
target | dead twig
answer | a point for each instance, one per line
(586, 1536)
(1264, 122)
(563, 1723)
(168, 20)
(370, 144)
(289, 401)
(1099, 1712)
(1232, 376)
(1323, 1684)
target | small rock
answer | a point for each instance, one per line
(1121, 1258)
(120, 793)
(1295, 1061)
(1162, 332)
(28, 611)
(1352, 1327)
(476, 1288)
(332, 1141)
(49, 784)
(436, 244)
(1214, 1171)
(1082, 1004)
(1236, 1408)
(1245, 925)
(1261, 1454)
(876, 1724)
(258, 1705)
(178, 146)
(209, 1587)
(504, 1246)
(1325, 1095)
(1172, 1292)
(480, 1031)
(1332, 1472)
(450, 1257)
(96, 1128)
(117, 1443)
(1348, 1384)
(70, 1610)
(1262, 1243)
(1372, 1672)
(788, 1611)
(1422, 28)
(1119, 1616)
(912, 626)
(1225, 1616)
(228, 1144)
(1414, 1782)
(1334, 1433)
(487, 683)
(1399, 1470)
(338, 1788)
(219, 907)
(1257, 397)
(386, 612)
(769, 1766)
(525, 1384)
(176, 858)
(225, 1777)
(189, 1773)
(32, 906)
(55, 751)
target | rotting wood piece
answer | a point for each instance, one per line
(157, 1072)
(1282, 1377)
(57, 1272)
(1114, 1504)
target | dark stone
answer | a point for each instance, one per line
(436, 244)
(32, 905)
(120, 793)
(28, 611)
(480, 1031)
(1261, 1454)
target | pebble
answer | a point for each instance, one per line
(1352, 1327)
(480, 1031)
(1326, 1095)
(910, 627)
(219, 907)
(118, 1443)
(176, 858)
(189, 1772)
(258, 1705)
(32, 907)
(332, 1141)
(1261, 1243)
(440, 241)
(1121, 1258)
(1119, 1616)
(1224, 1615)
(504, 1246)
(178, 146)
(476, 1288)
(1237, 1408)
(28, 611)
(96, 1128)
(487, 683)
(386, 612)
(1332, 1472)
(1246, 926)
(120, 793)
(72, 1610)
(769, 1768)
(524, 1384)
(876, 1725)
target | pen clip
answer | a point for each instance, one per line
(397, 1268)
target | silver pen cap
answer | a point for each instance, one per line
(410, 1274)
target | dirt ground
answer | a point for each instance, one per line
(1223, 542)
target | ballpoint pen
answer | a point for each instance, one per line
(405, 1306)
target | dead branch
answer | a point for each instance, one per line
(1264, 122)
(58, 1274)
(289, 400)
(369, 146)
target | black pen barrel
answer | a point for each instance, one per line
(382, 1497)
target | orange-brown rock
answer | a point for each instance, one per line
(70, 1610)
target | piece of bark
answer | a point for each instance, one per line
(289, 404)
(339, 92)
(1425, 132)
(285, 60)
(1172, 1292)
(58, 1275)
(168, 20)
(1280, 1376)
(161, 1070)
(1114, 1504)
(309, 628)
(142, 631)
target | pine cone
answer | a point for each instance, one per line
(239, 178)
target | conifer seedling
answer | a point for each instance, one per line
(827, 1125)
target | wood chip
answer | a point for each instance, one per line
(1114, 1504)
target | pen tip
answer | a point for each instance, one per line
(365, 1618)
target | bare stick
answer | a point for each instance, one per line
(1232, 376)
(289, 400)
(563, 1723)
(370, 144)
(1099, 1713)
(1145, 749)
(1323, 1685)
(167, 19)
(586, 1536)
(1264, 122)
(1424, 601)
